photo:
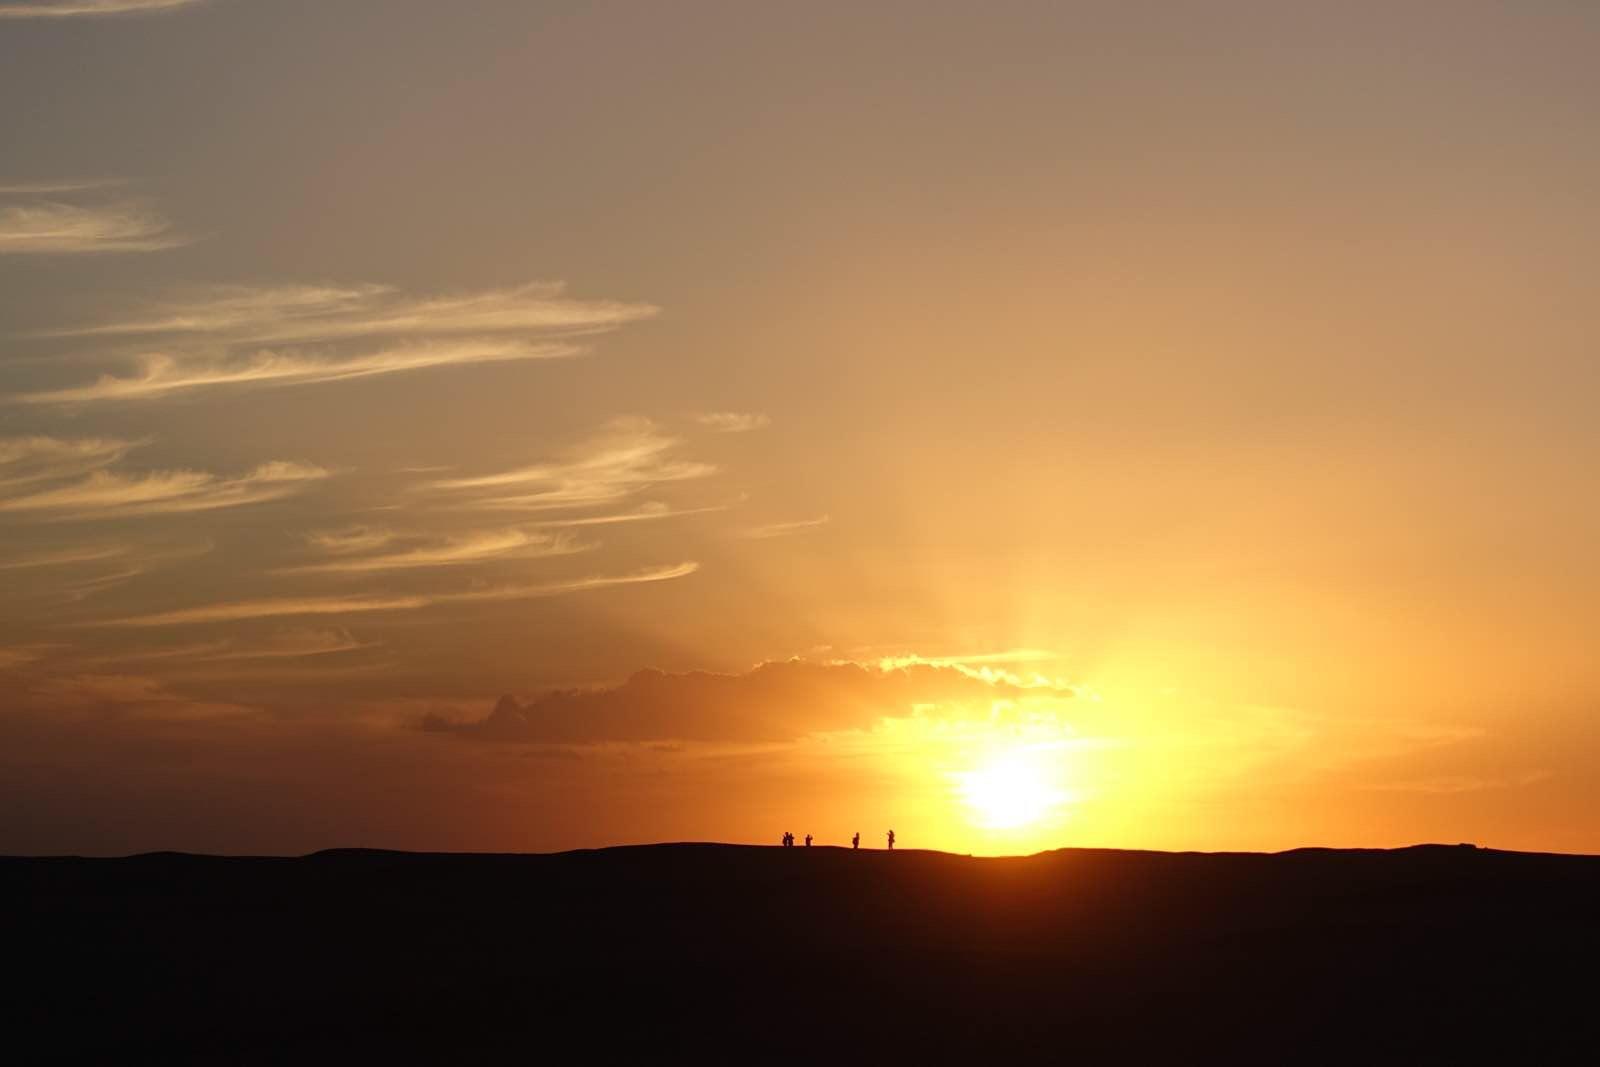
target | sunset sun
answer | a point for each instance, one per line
(1012, 789)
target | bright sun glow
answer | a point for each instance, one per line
(1013, 788)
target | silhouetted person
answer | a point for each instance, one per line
(891, 840)
(808, 841)
(855, 842)
(788, 839)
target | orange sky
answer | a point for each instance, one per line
(1022, 426)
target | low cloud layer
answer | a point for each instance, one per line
(774, 702)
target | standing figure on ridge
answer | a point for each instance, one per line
(808, 841)
(855, 842)
(891, 840)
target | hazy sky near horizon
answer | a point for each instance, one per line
(1148, 425)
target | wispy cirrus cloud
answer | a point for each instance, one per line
(63, 185)
(22, 655)
(107, 495)
(271, 608)
(26, 460)
(629, 455)
(784, 529)
(285, 644)
(134, 694)
(300, 314)
(162, 374)
(480, 546)
(64, 557)
(102, 493)
(351, 539)
(42, 9)
(538, 591)
(242, 336)
(92, 569)
(281, 607)
(650, 512)
(54, 226)
(293, 644)
(733, 421)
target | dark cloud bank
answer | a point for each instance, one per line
(773, 702)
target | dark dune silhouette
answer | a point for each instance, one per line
(719, 952)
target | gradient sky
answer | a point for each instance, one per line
(1022, 424)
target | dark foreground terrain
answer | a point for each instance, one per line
(726, 953)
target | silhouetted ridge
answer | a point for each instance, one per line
(751, 953)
